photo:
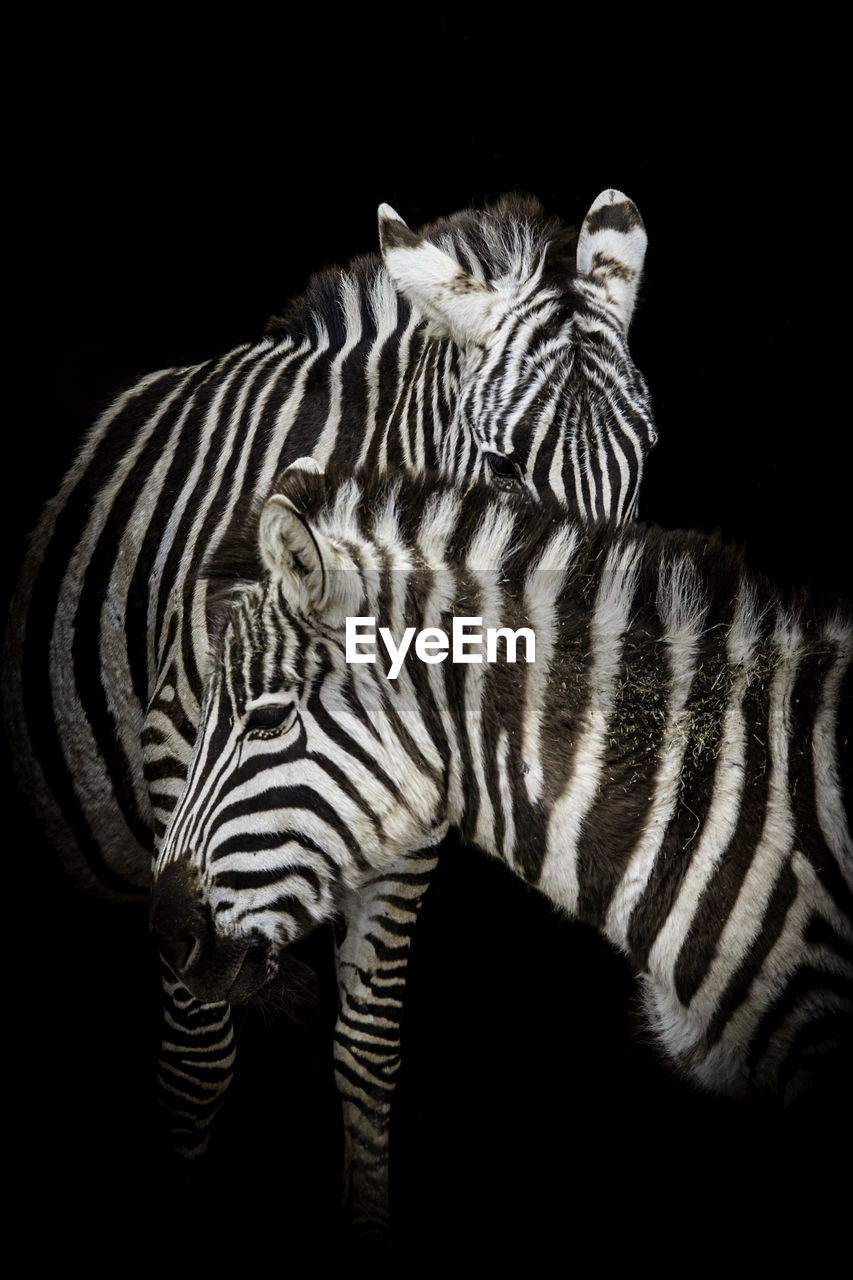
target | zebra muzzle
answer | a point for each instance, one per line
(212, 966)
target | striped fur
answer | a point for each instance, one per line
(670, 769)
(474, 347)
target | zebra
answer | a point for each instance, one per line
(489, 345)
(658, 741)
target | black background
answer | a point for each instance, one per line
(170, 194)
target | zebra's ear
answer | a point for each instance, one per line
(306, 463)
(612, 249)
(307, 563)
(459, 305)
(291, 551)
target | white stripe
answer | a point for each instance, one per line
(436, 527)
(80, 750)
(196, 494)
(542, 588)
(384, 310)
(403, 388)
(724, 810)
(350, 301)
(829, 800)
(682, 609)
(559, 879)
(775, 844)
(723, 1067)
(506, 791)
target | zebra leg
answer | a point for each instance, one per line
(371, 964)
(195, 1066)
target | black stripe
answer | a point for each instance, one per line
(720, 893)
(260, 879)
(170, 581)
(635, 735)
(738, 986)
(820, 933)
(621, 216)
(704, 712)
(71, 520)
(812, 671)
(808, 982)
(285, 904)
(295, 798)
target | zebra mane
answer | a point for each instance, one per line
(507, 238)
(347, 504)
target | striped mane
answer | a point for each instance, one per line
(237, 561)
(508, 238)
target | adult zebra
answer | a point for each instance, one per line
(670, 765)
(489, 344)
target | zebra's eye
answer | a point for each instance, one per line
(502, 468)
(269, 716)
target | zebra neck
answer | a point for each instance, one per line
(375, 365)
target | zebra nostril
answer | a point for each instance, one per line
(178, 918)
(179, 951)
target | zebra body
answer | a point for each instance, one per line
(492, 345)
(671, 768)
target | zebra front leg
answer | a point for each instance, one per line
(195, 1066)
(371, 963)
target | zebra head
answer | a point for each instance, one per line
(297, 787)
(549, 392)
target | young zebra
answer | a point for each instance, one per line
(492, 344)
(665, 765)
